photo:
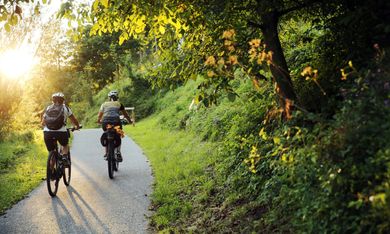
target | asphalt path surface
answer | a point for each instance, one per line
(93, 203)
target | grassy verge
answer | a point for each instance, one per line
(22, 167)
(181, 165)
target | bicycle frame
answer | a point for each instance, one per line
(56, 169)
(111, 150)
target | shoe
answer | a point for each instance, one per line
(65, 160)
(105, 157)
(119, 157)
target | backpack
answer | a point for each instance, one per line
(54, 117)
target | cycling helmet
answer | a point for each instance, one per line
(58, 97)
(113, 94)
(59, 94)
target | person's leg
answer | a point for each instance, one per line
(49, 141)
(119, 156)
(104, 127)
(63, 139)
(65, 149)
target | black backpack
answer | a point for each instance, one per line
(54, 117)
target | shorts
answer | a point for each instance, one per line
(51, 138)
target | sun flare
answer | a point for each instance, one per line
(14, 64)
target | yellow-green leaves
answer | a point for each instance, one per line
(11, 14)
(104, 3)
(253, 159)
(139, 24)
(123, 37)
(161, 29)
(263, 134)
(7, 27)
(276, 140)
(134, 22)
(96, 3)
(379, 198)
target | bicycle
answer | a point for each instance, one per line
(112, 149)
(55, 168)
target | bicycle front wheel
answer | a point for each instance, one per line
(67, 172)
(52, 177)
(110, 160)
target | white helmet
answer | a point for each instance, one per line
(58, 95)
(113, 93)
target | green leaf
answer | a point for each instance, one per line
(161, 29)
(36, 10)
(123, 37)
(14, 20)
(263, 134)
(276, 140)
(95, 5)
(232, 97)
(104, 3)
(7, 27)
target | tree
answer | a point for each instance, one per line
(11, 11)
(99, 58)
(192, 30)
(175, 24)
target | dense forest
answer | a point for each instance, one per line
(294, 95)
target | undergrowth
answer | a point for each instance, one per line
(22, 166)
(311, 174)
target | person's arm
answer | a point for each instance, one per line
(100, 115)
(126, 115)
(43, 124)
(124, 112)
(42, 114)
(75, 122)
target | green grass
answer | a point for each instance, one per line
(22, 167)
(179, 161)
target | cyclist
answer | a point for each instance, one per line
(109, 113)
(54, 122)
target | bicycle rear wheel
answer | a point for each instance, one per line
(67, 172)
(110, 159)
(52, 178)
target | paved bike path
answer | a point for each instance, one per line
(92, 203)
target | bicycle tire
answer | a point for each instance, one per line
(67, 172)
(52, 178)
(110, 160)
(116, 163)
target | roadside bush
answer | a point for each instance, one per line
(310, 174)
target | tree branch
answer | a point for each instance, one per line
(297, 7)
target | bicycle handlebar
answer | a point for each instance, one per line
(74, 129)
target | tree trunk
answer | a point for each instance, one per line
(279, 68)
